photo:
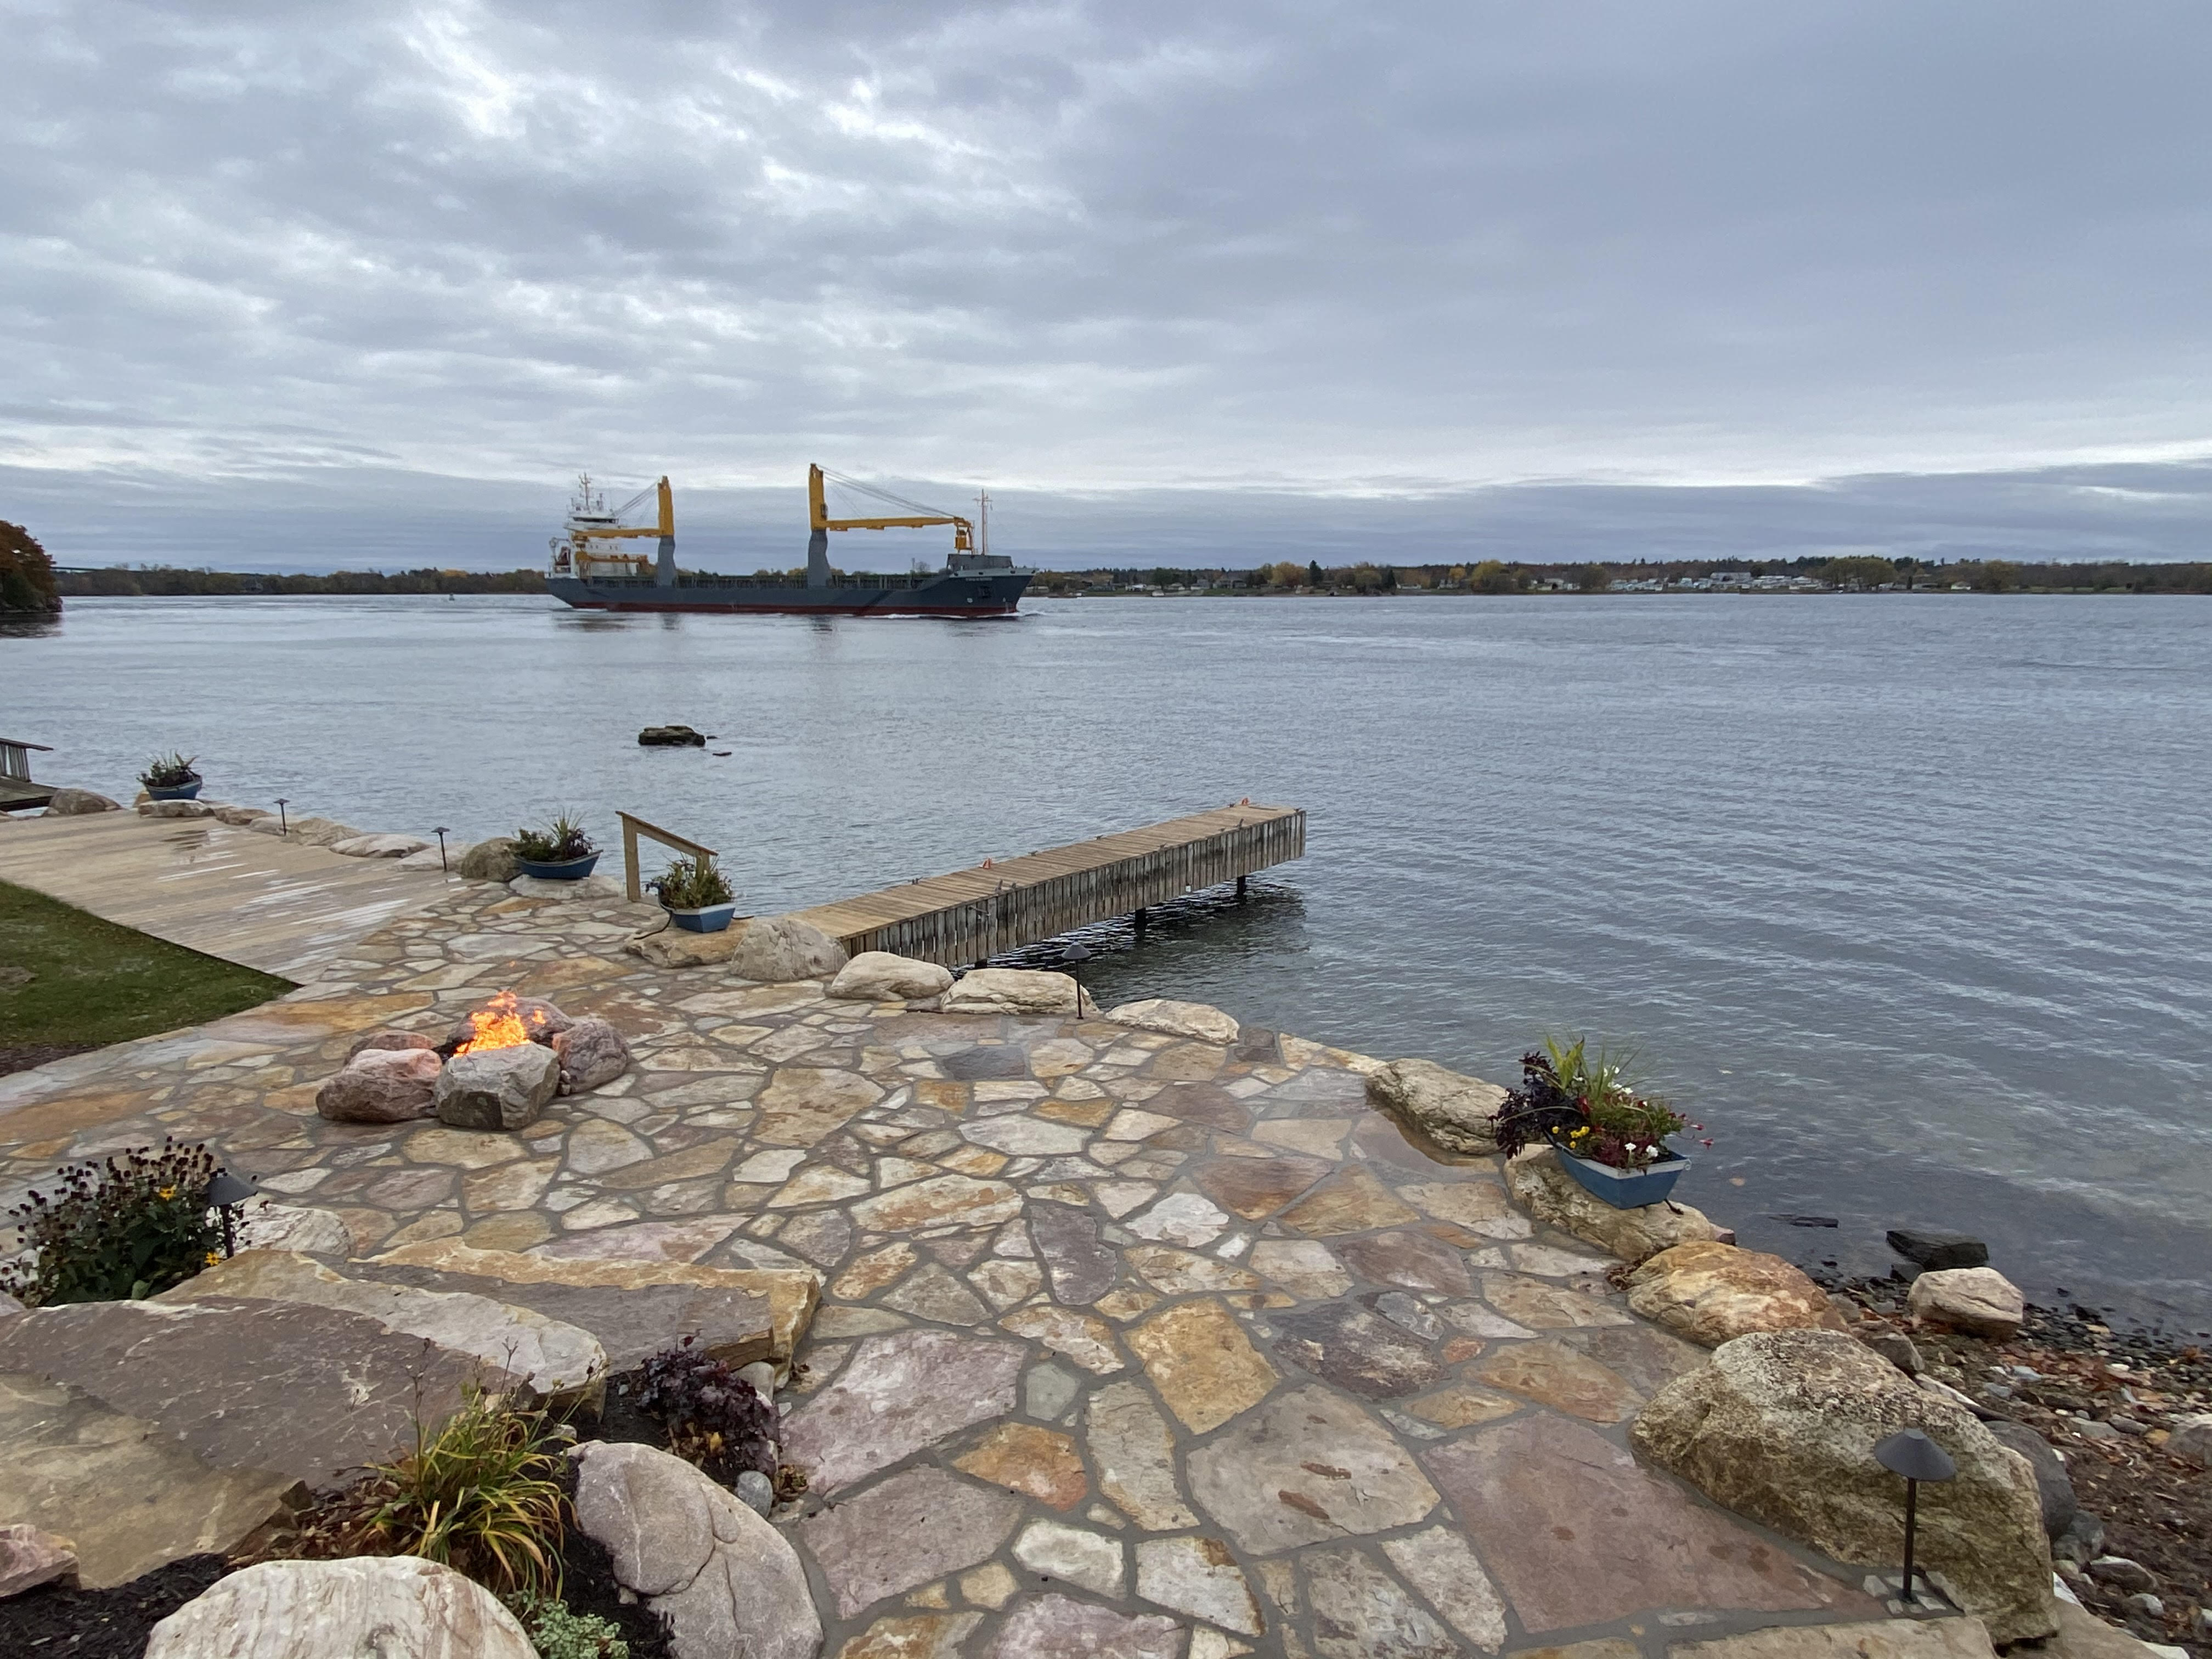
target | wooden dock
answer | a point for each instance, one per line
(224, 891)
(972, 915)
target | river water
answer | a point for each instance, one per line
(1903, 897)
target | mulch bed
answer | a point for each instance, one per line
(24, 1055)
(2156, 1509)
(102, 1623)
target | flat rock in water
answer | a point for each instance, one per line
(1199, 1020)
(1713, 1292)
(125, 1493)
(881, 977)
(1009, 991)
(369, 1605)
(1979, 1300)
(1447, 1109)
(671, 736)
(555, 1360)
(298, 1391)
(1555, 1198)
(497, 1088)
(1939, 1249)
(1781, 1427)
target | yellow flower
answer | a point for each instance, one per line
(212, 1258)
(166, 1192)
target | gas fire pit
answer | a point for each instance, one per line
(496, 1070)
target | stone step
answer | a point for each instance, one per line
(561, 1362)
(635, 1308)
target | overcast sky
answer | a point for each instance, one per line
(285, 278)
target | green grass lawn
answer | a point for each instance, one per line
(92, 982)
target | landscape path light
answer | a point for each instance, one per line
(283, 829)
(440, 832)
(1911, 1454)
(226, 1193)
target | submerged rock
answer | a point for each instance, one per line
(671, 736)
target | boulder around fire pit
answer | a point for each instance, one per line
(498, 1088)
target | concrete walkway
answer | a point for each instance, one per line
(228, 892)
(1130, 1345)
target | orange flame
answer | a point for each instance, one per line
(497, 1026)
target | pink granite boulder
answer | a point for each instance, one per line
(382, 1085)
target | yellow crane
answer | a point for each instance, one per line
(917, 516)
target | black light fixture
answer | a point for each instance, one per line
(440, 832)
(1911, 1454)
(282, 827)
(1075, 952)
(226, 1193)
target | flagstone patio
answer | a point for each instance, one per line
(1129, 1345)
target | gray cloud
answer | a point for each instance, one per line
(327, 254)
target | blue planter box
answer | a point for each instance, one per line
(1625, 1190)
(708, 919)
(567, 870)
(177, 792)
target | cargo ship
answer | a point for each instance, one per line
(592, 569)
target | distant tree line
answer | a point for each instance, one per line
(26, 575)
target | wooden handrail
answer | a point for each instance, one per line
(633, 827)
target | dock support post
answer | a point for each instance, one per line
(1240, 890)
(1140, 919)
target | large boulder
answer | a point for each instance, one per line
(666, 946)
(388, 1038)
(1452, 1111)
(175, 809)
(382, 1085)
(76, 803)
(2054, 1487)
(488, 861)
(497, 1088)
(238, 817)
(322, 832)
(1781, 1427)
(724, 1581)
(1939, 1250)
(590, 1052)
(777, 950)
(1978, 1300)
(1199, 1020)
(1010, 991)
(1555, 1198)
(2192, 1440)
(365, 1607)
(551, 1358)
(1712, 1293)
(880, 976)
(381, 847)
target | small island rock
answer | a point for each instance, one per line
(1978, 1300)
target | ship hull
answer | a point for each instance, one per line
(996, 594)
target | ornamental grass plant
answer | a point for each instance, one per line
(692, 884)
(120, 1229)
(171, 771)
(558, 842)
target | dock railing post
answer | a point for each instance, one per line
(629, 860)
(634, 827)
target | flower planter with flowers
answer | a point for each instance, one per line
(561, 852)
(1610, 1138)
(172, 777)
(695, 895)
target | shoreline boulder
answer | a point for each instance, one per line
(666, 946)
(1555, 1198)
(1200, 1021)
(883, 976)
(1010, 991)
(1453, 1110)
(778, 950)
(381, 847)
(488, 861)
(1781, 1427)
(1713, 1293)
(76, 802)
(1980, 1301)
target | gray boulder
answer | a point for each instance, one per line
(725, 1581)
(2192, 1440)
(1939, 1250)
(381, 847)
(881, 977)
(382, 1085)
(238, 817)
(1013, 991)
(175, 809)
(488, 861)
(666, 946)
(1978, 1300)
(2054, 1487)
(76, 802)
(777, 950)
(388, 1039)
(364, 1606)
(1558, 1200)
(1893, 1345)
(590, 1052)
(498, 1088)
(1781, 1427)
(322, 832)
(1450, 1109)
